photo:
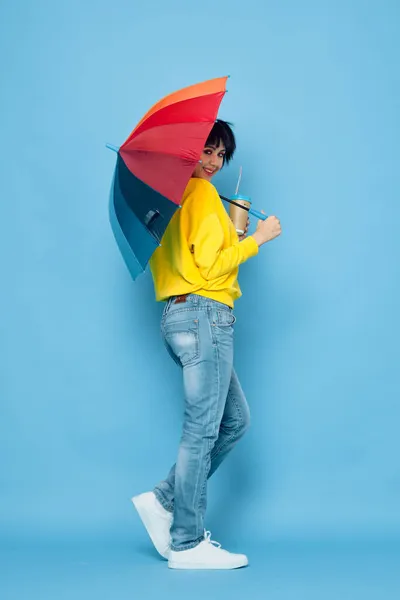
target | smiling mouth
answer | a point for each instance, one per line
(208, 171)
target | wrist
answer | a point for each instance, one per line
(258, 238)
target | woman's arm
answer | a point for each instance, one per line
(206, 238)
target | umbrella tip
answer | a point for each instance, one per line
(112, 147)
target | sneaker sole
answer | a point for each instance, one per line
(197, 566)
(146, 520)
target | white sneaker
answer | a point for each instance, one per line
(156, 519)
(207, 555)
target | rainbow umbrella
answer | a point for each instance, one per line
(154, 166)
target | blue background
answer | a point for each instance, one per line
(90, 401)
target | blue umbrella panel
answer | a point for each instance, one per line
(139, 216)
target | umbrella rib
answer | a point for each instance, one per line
(155, 152)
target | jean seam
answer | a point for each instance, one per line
(203, 489)
(235, 432)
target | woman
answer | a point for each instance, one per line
(195, 272)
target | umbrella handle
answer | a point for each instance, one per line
(252, 211)
(257, 214)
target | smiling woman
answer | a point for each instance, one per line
(218, 150)
(195, 272)
(212, 160)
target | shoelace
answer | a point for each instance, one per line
(207, 538)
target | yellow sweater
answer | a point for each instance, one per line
(200, 251)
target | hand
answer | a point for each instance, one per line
(242, 237)
(267, 230)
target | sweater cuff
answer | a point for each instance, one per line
(249, 246)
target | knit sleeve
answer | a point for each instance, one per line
(206, 238)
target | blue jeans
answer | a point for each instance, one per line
(198, 335)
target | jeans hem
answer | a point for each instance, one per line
(188, 546)
(162, 501)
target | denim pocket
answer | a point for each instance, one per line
(182, 337)
(225, 318)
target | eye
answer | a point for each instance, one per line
(207, 151)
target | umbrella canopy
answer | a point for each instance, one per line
(154, 166)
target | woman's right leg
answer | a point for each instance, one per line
(200, 336)
(235, 422)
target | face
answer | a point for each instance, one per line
(212, 160)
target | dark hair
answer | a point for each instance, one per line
(222, 132)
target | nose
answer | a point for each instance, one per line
(215, 161)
